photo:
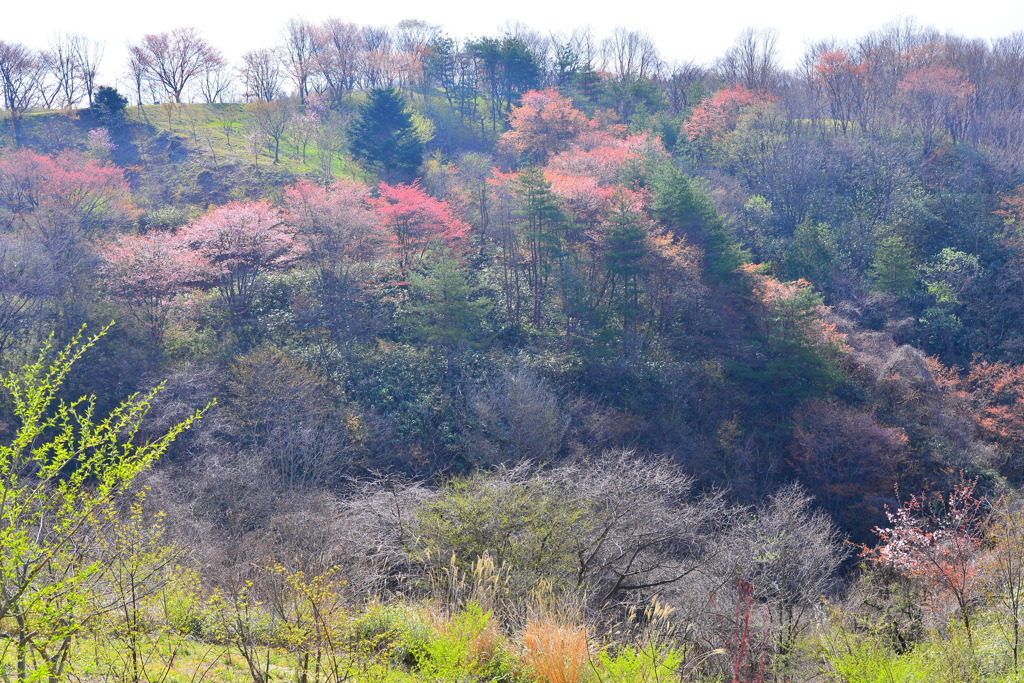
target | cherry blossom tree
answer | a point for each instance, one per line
(940, 545)
(242, 241)
(146, 273)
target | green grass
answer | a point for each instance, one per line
(218, 131)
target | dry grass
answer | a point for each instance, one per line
(554, 652)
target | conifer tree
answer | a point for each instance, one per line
(894, 270)
(383, 137)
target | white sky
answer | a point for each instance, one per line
(698, 31)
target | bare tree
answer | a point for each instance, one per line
(753, 60)
(89, 53)
(216, 85)
(301, 49)
(261, 74)
(62, 63)
(137, 71)
(19, 81)
(173, 60)
(517, 419)
(630, 55)
(340, 56)
(271, 120)
(378, 57)
(791, 554)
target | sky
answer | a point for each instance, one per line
(698, 32)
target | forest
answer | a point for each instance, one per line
(388, 355)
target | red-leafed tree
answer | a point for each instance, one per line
(146, 272)
(937, 98)
(939, 544)
(416, 221)
(241, 241)
(715, 115)
(844, 85)
(545, 123)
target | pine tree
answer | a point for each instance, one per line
(894, 270)
(383, 137)
(447, 309)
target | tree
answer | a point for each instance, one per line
(108, 107)
(624, 240)
(302, 48)
(261, 75)
(383, 137)
(343, 236)
(19, 80)
(417, 221)
(62, 203)
(716, 115)
(937, 98)
(844, 84)
(753, 60)
(509, 68)
(544, 124)
(63, 467)
(447, 309)
(271, 119)
(241, 241)
(173, 60)
(543, 220)
(146, 272)
(894, 269)
(939, 544)
(1007, 570)
(338, 225)
(790, 554)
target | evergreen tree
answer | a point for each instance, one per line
(894, 270)
(447, 309)
(108, 107)
(543, 220)
(383, 137)
(624, 250)
(684, 206)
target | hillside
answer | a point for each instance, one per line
(508, 367)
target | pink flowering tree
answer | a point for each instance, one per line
(147, 272)
(241, 241)
(416, 221)
(337, 225)
(940, 545)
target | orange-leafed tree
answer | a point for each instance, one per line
(717, 114)
(544, 124)
(843, 83)
(995, 392)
